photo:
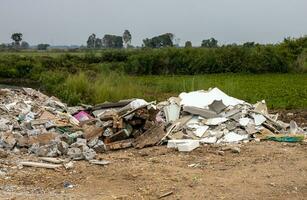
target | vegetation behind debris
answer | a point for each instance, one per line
(96, 76)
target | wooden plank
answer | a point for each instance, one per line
(150, 137)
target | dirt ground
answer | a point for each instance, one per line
(262, 170)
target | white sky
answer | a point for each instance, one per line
(66, 22)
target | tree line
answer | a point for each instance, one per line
(19, 44)
(287, 56)
(160, 41)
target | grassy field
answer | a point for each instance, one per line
(279, 90)
(109, 75)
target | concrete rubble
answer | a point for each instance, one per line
(35, 123)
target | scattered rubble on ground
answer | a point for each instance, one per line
(44, 126)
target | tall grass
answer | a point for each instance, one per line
(279, 90)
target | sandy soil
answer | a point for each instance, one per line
(262, 170)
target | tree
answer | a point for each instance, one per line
(188, 44)
(112, 41)
(3, 46)
(127, 38)
(209, 43)
(25, 45)
(165, 40)
(249, 44)
(42, 46)
(91, 41)
(98, 43)
(17, 37)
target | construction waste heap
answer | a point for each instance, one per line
(34, 123)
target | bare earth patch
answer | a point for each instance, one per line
(264, 170)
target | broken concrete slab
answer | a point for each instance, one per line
(171, 112)
(183, 145)
(259, 119)
(244, 121)
(232, 137)
(214, 121)
(75, 153)
(202, 99)
(200, 111)
(217, 106)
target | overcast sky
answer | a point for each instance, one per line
(72, 21)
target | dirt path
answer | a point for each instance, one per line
(264, 170)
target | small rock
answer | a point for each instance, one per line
(89, 154)
(63, 147)
(79, 143)
(92, 142)
(75, 153)
(3, 153)
(221, 153)
(2, 173)
(7, 140)
(69, 165)
(272, 184)
(235, 150)
(100, 147)
(68, 185)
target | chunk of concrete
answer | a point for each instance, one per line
(209, 140)
(217, 106)
(183, 145)
(79, 143)
(171, 112)
(232, 137)
(244, 121)
(100, 147)
(293, 127)
(7, 140)
(261, 107)
(215, 121)
(89, 154)
(197, 129)
(188, 146)
(259, 119)
(63, 147)
(200, 111)
(75, 153)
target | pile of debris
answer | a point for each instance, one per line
(33, 122)
(213, 117)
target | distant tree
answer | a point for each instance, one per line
(249, 44)
(177, 42)
(3, 46)
(209, 43)
(188, 44)
(98, 43)
(91, 41)
(112, 41)
(165, 40)
(127, 38)
(25, 45)
(17, 37)
(42, 46)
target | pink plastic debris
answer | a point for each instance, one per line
(82, 116)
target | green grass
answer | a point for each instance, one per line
(279, 90)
